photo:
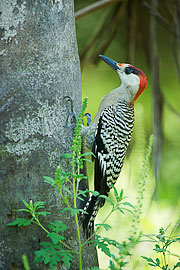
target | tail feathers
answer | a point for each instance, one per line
(92, 206)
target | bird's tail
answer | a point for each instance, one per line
(87, 219)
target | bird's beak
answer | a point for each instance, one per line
(110, 62)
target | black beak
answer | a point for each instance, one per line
(110, 62)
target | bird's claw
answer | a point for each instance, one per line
(71, 116)
(89, 118)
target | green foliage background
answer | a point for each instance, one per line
(97, 80)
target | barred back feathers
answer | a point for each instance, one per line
(112, 138)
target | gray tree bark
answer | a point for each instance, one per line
(39, 65)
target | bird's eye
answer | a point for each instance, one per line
(128, 70)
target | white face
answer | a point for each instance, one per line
(133, 80)
(129, 82)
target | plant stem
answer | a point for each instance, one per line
(75, 206)
(107, 217)
(98, 227)
(164, 255)
(39, 223)
(25, 262)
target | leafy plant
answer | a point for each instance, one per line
(118, 263)
(25, 262)
(162, 245)
(56, 250)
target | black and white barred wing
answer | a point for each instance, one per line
(111, 141)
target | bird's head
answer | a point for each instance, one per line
(133, 80)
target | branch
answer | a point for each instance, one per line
(177, 29)
(160, 18)
(157, 96)
(93, 7)
(131, 33)
(102, 38)
(176, 60)
(171, 108)
(111, 30)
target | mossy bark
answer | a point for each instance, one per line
(39, 66)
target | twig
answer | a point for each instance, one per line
(97, 33)
(131, 33)
(112, 29)
(172, 254)
(177, 29)
(104, 34)
(174, 228)
(177, 24)
(170, 107)
(176, 59)
(93, 7)
(161, 20)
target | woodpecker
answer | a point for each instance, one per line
(109, 135)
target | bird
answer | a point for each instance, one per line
(109, 136)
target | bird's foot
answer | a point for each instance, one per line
(71, 119)
(89, 119)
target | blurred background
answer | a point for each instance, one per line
(147, 35)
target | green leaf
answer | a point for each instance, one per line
(55, 237)
(177, 265)
(21, 222)
(95, 193)
(57, 226)
(121, 194)
(159, 250)
(107, 199)
(152, 264)
(79, 198)
(82, 211)
(128, 204)
(104, 248)
(47, 259)
(65, 210)
(87, 160)
(118, 208)
(157, 261)
(49, 180)
(23, 210)
(67, 258)
(44, 213)
(57, 174)
(39, 204)
(67, 190)
(66, 155)
(103, 242)
(52, 254)
(106, 226)
(112, 243)
(115, 193)
(81, 177)
(72, 211)
(82, 192)
(87, 154)
(64, 173)
(148, 259)
(78, 162)
(31, 204)
(27, 205)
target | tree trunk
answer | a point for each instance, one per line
(157, 99)
(39, 66)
